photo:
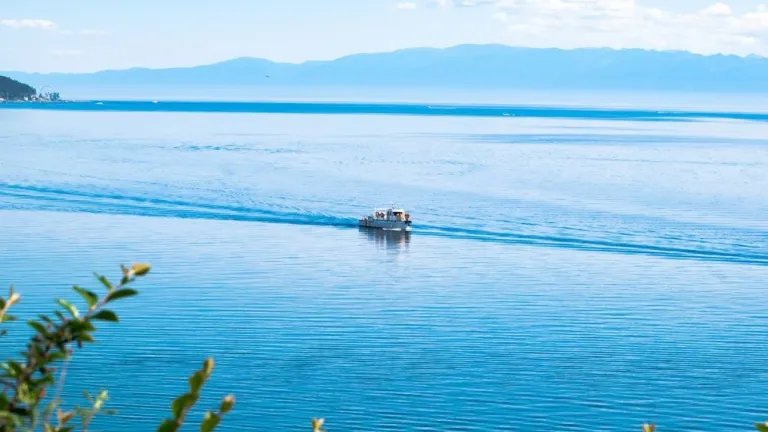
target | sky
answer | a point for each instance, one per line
(91, 35)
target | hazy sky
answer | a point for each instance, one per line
(87, 35)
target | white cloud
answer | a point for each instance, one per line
(28, 24)
(67, 52)
(627, 24)
(406, 5)
(717, 9)
(42, 24)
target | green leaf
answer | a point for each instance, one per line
(71, 309)
(227, 403)
(47, 379)
(140, 269)
(9, 373)
(182, 403)
(25, 394)
(56, 356)
(104, 281)
(210, 421)
(100, 399)
(167, 426)
(121, 293)
(196, 381)
(208, 367)
(38, 327)
(11, 367)
(85, 337)
(90, 297)
(80, 325)
(105, 315)
(7, 318)
(762, 427)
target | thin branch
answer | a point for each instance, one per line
(59, 387)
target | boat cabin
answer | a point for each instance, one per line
(390, 214)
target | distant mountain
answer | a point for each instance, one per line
(463, 66)
(13, 90)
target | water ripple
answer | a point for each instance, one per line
(554, 279)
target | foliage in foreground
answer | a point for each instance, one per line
(25, 383)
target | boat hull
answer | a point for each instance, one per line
(386, 225)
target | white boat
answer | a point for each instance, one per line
(390, 219)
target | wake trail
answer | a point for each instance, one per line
(46, 198)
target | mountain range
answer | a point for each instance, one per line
(462, 66)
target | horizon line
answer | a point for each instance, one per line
(605, 48)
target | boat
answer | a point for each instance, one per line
(389, 219)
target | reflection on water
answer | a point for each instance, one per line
(507, 309)
(393, 240)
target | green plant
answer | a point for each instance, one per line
(25, 383)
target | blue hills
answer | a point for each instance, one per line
(462, 66)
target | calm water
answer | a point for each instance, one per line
(566, 272)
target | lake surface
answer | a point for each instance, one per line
(566, 272)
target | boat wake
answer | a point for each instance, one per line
(47, 198)
(23, 197)
(595, 245)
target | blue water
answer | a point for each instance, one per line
(570, 269)
(420, 109)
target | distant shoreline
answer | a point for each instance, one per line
(16, 101)
(399, 109)
(660, 101)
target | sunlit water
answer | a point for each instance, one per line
(566, 272)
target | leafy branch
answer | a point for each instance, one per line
(25, 383)
(182, 404)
